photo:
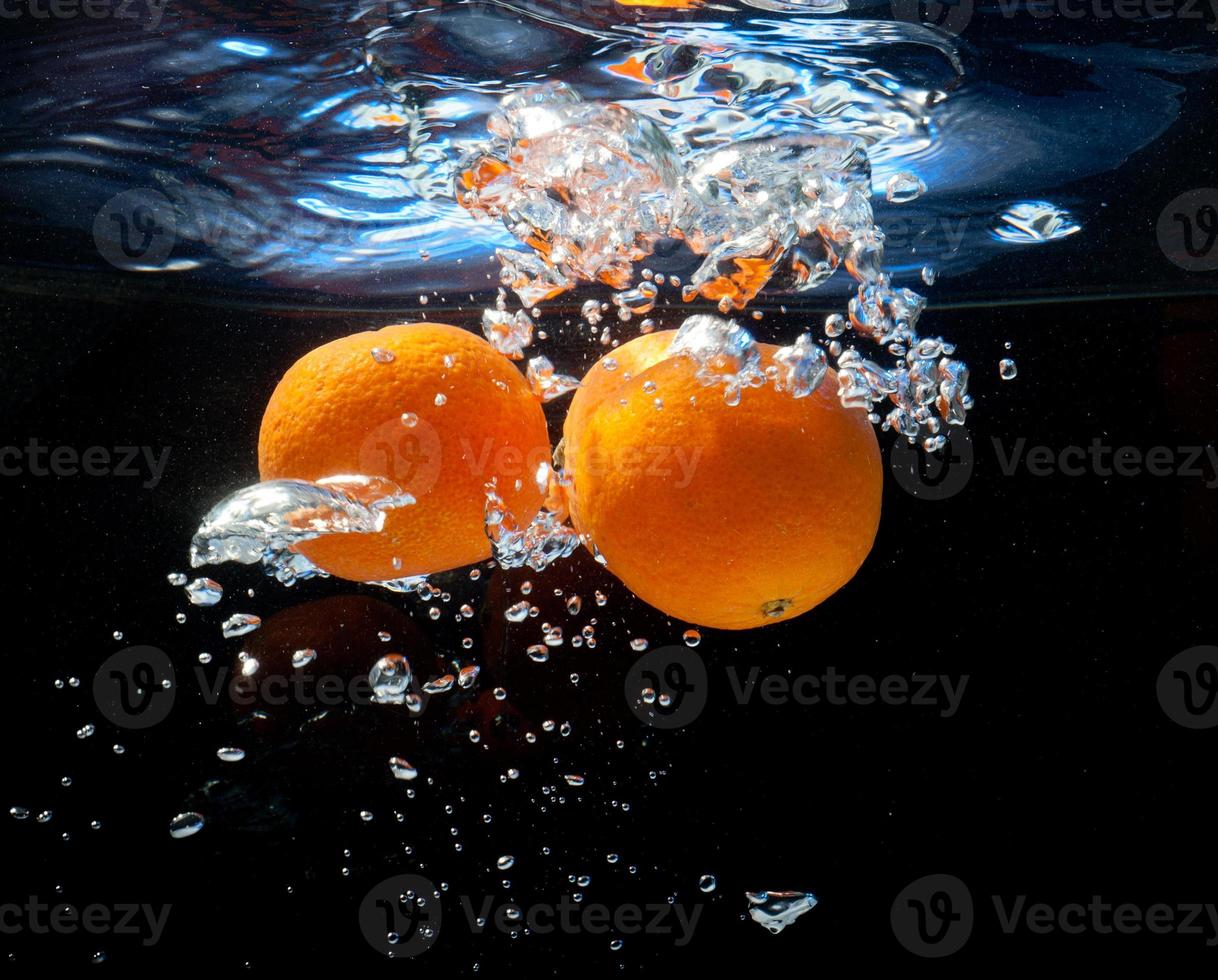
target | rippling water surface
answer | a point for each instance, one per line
(311, 146)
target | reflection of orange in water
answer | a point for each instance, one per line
(631, 68)
(486, 170)
(741, 286)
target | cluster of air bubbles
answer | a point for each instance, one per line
(543, 540)
(508, 333)
(544, 383)
(593, 187)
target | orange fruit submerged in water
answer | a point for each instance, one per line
(729, 516)
(433, 408)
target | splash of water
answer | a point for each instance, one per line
(777, 910)
(594, 187)
(265, 522)
(543, 540)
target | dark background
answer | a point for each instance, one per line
(1060, 597)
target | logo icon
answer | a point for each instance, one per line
(1188, 687)
(1188, 230)
(400, 917)
(951, 17)
(136, 229)
(405, 450)
(135, 688)
(667, 687)
(933, 476)
(933, 916)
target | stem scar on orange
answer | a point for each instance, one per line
(432, 407)
(720, 515)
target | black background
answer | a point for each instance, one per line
(1061, 598)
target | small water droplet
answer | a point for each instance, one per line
(903, 188)
(204, 592)
(402, 769)
(239, 624)
(389, 678)
(185, 825)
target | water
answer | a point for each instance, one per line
(292, 168)
(776, 910)
(313, 150)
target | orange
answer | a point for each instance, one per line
(607, 374)
(720, 515)
(435, 409)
